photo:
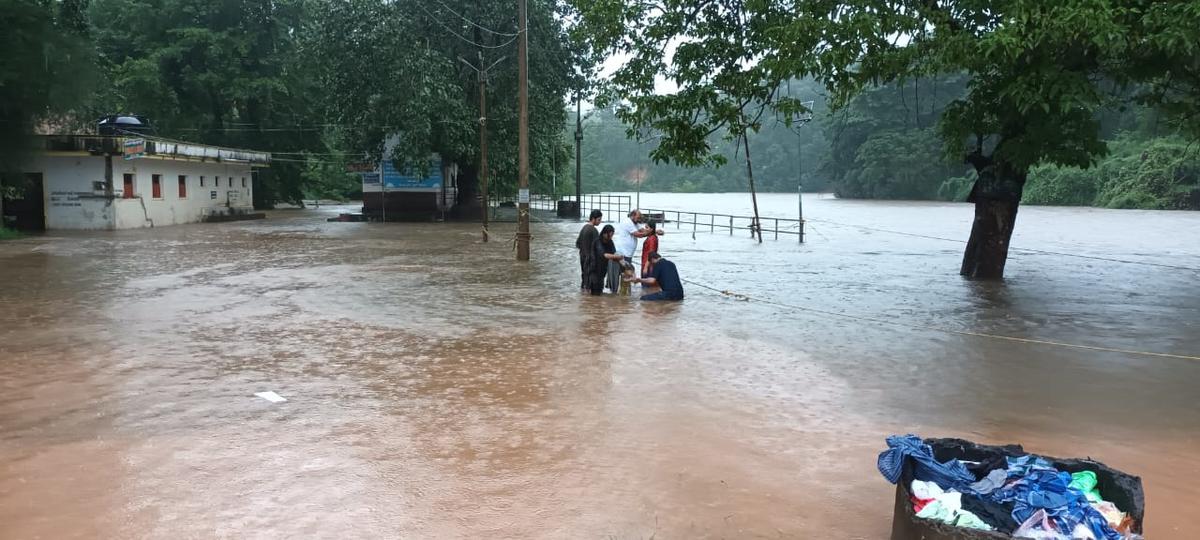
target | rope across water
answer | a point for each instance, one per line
(894, 322)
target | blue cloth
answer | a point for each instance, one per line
(1035, 485)
(667, 277)
(949, 475)
(1042, 487)
(1022, 465)
(659, 296)
(993, 481)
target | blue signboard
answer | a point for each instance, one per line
(370, 178)
(409, 179)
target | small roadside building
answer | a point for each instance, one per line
(408, 195)
(109, 182)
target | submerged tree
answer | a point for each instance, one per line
(1036, 71)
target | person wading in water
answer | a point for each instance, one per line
(603, 254)
(665, 276)
(586, 241)
(650, 245)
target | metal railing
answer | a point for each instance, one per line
(617, 206)
(704, 221)
(503, 208)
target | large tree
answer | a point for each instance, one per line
(1036, 71)
(45, 72)
(225, 73)
(408, 69)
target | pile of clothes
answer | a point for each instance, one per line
(1023, 496)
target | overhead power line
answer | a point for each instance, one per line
(475, 24)
(462, 37)
(1017, 249)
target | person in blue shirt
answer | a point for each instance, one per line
(665, 276)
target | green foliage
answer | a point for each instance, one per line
(1036, 73)
(1064, 186)
(1160, 174)
(383, 80)
(222, 73)
(612, 161)
(898, 164)
(45, 69)
(9, 234)
(1165, 174)
(310, 79)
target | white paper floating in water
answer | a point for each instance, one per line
(271, 396)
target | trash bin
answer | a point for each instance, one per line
(568, 209)
(1117, 487)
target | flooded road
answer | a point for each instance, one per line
(438, 389)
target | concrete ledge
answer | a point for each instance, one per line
(221, 218)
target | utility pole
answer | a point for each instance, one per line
(483, 164)
(523, 131)
(578, 144)
(757, 226)
(805, 118)
(483, 72)
(800, 184)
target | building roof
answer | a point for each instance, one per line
(155, 147)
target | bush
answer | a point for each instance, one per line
(1164, 175)
(898, 164)
(1062, 186)
(1155, 174)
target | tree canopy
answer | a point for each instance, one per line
(318, 83)
(1036, 74)
(45, 43)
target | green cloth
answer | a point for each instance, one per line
(1085, 481)
(947, 508)
(971, 521)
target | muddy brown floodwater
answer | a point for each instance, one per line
(437, 389)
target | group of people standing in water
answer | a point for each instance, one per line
(606, 258)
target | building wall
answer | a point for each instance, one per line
(72, 201)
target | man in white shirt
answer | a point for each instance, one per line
(627, 235)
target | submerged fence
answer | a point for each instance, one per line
(617, 206)
(710, 222)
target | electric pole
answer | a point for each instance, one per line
(523, 131)
(578, 144)
(483, 164)
(483, 139)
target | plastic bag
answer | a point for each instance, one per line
(1039, 527)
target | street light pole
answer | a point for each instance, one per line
(523, 132)
(578, 169)
(800, 184)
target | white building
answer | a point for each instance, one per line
(106, 182)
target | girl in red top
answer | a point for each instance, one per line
(649, 246)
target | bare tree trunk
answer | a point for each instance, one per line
(997, 196)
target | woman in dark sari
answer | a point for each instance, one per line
(603, 252)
